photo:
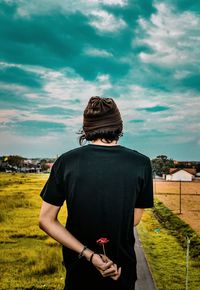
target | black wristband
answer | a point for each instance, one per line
(91, 257)
(81, 253)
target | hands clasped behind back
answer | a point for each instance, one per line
(106, 267)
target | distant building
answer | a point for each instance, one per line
(185, 174)
(49, 166)
(193, 171)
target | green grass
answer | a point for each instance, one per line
(166, 253)
(28, 258)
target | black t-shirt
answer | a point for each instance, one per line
(101, 185)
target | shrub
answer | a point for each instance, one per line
(178, 228)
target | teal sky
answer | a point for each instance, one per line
(55, 55)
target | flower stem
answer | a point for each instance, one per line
(104, 250)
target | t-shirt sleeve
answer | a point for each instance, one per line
(145, 196)
(53, 191)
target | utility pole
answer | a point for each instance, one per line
(180, 199)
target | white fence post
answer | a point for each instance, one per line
(187, 263)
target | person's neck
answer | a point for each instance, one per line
(99, 142)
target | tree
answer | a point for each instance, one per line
(161, 165)
(44, 165)
(15, 160)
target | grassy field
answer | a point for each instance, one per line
(169, 194)
(31, 260)
(28, 258)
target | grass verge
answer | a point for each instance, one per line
(178, 228)
(164, 241)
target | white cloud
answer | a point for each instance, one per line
(28, 8)
(109, 2)
(106, 22)
(195, 128)
(66, 87)
(13, 87)
(8, 65)
(28, 147)
(60, 88)
(97, 52)
(5, 115)
(173, 36)
(180, 74)
(103, 78)
(181, 118)
(115, 2)
(100, 19)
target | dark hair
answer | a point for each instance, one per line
(102, 120)
(108, 136)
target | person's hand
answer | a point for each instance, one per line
(113, 272)
(106, 267)
(117, 274)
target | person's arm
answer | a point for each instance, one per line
(145, 195)
(138, 212)
(49, 223)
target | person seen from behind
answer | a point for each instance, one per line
(106, 187)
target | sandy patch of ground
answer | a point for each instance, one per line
(188, 203)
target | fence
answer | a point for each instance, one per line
(182, 198)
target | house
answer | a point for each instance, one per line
(193, 171)
(178, 174)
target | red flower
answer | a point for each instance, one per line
(102, 241)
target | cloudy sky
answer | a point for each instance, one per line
(56, 54)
